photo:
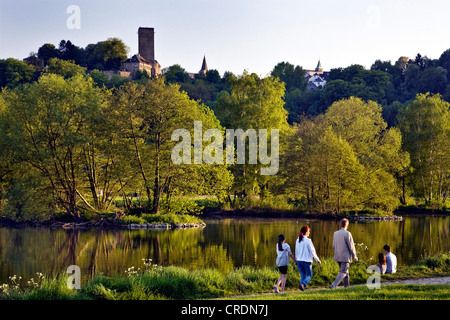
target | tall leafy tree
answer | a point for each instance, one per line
(175, 74)
(66, 69)
(377, 148)
(346, 159)
(292, 76)
(253, 103)
(425, 124)
(69, 51)
(15, 72)
(45, 126)
(48, 51)
(150, 114)
(106, 55)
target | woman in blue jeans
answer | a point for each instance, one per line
(304, 254)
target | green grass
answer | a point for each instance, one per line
(153, 282)
(168, 218)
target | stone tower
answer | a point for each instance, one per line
(146, 39)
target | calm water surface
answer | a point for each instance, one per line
(222, 244)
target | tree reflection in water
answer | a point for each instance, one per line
(222, 244)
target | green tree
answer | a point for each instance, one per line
(149, 115)
(69, 51)
(396, 78)
(334, 90)
(15, 72)
(253, 103)
(355, 80)
(293, 77)
(106, 55)
(47, 51)
(100, 78)
(322, 168)
(425, 125)
(175, 74)
(346, 159)
(66, 69)
(213, 76)
(433, 80)
(343, 174)
(444, 62)
(347, 74)
(45, 128)
(199, 90)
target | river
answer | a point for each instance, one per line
(223, 244)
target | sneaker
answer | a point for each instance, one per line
(302, 287)
(275, 288)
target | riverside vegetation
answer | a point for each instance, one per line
(78, 147)
(154, 282)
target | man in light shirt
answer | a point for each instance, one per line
(344, 251)
(391, 259)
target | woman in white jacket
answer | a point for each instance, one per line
(304, 254)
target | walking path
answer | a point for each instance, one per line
(435, 280)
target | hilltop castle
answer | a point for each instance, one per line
(145, 59)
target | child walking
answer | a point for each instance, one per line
(283, 254)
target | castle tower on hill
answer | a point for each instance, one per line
(145, 59)
(146, 39)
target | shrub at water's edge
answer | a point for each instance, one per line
(168, 218)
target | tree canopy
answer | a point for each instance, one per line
(346, 159)
(75, 141)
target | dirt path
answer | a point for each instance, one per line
(435, 280)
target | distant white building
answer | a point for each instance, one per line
(317, 78)
(316, 82)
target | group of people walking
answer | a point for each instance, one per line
(344, 254)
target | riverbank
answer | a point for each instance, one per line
(155, 282)
(144, 221)
(293, 214)
(396, 215)
(184, 221)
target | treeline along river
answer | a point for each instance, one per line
(223, 244)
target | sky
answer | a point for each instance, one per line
(236, 35)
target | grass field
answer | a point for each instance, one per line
(154, 282)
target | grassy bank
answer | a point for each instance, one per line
(153, 282)
(168, 218)
(191, 210)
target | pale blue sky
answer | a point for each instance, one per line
(238, 34)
